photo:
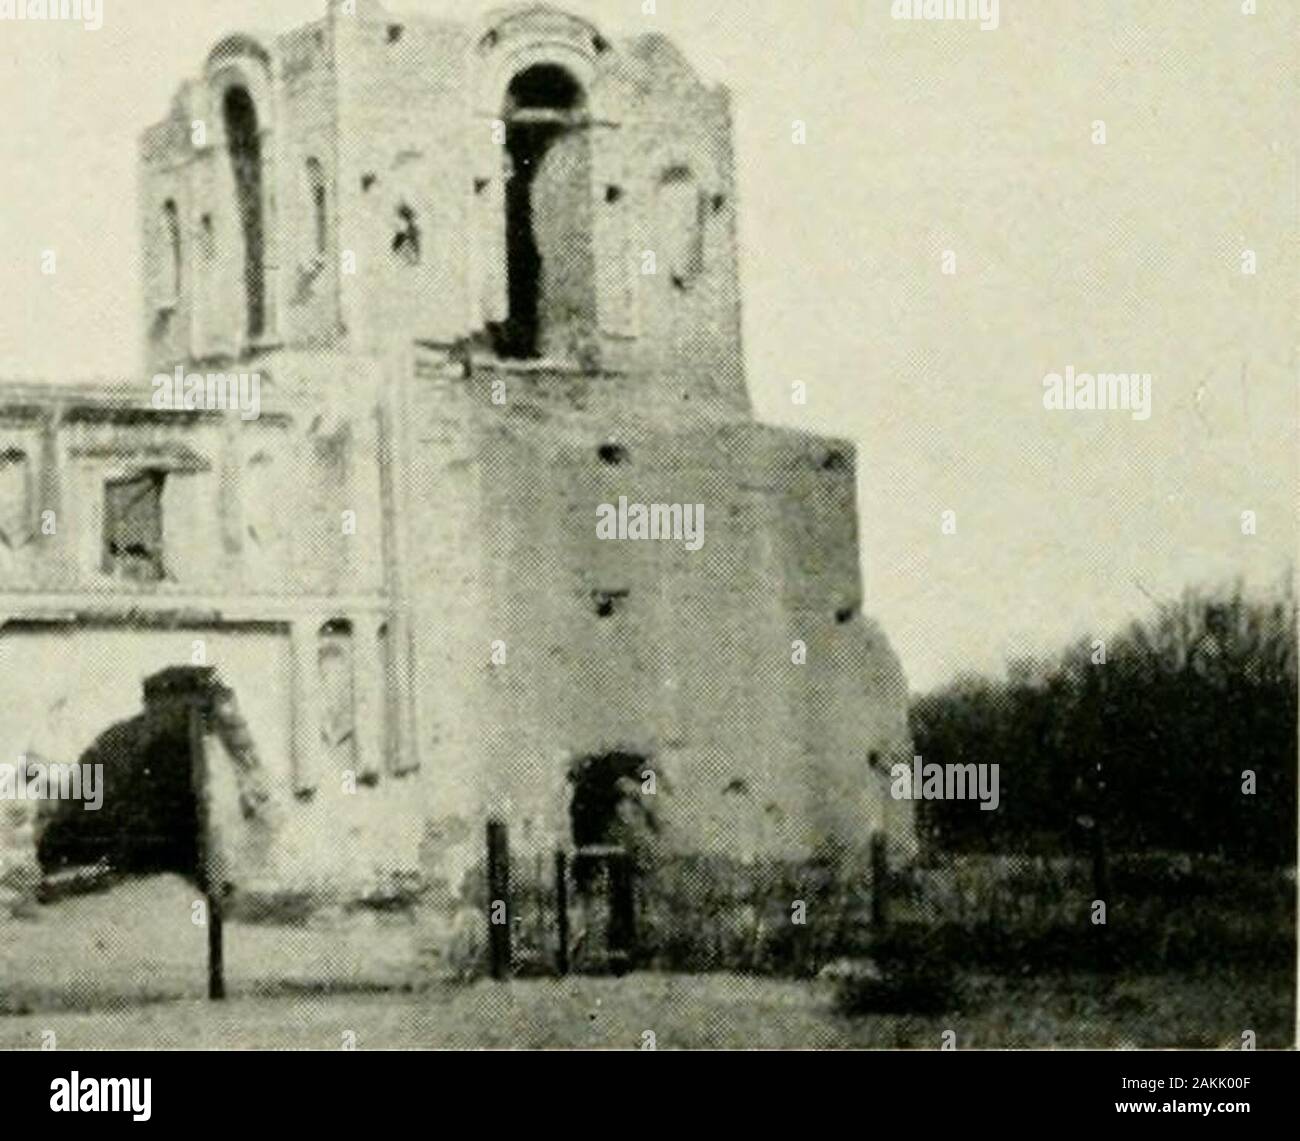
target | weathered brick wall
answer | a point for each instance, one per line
(693, 668)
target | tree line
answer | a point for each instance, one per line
(1177, 733)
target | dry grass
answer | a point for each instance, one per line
(126, 970)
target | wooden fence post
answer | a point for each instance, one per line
(879, 875)
(498, 877)
(562, 911)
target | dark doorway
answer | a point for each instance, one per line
(612, 831)
(245, 144)
(149, 819)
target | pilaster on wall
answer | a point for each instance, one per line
(370, 709)
(306, 709)
(393, 414)
(57, 558)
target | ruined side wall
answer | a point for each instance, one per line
(249, 507)
(344, 838)
(273, 535)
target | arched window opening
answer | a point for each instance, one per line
(172, 232)
(245, 145)
(337, 700)
(319, 203)
(549, 252)
(681, 208)
(15, 498)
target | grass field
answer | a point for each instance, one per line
(126, 970)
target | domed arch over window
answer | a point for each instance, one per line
(680, 208)
(544, 87)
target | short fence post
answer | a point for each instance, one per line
(562, 911)
(498, 876)
(879, 873)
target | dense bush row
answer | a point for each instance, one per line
(1146, 735)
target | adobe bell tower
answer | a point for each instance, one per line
(523, 190)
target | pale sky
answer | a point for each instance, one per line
(922, 137)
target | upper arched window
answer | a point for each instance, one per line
(244, 142)
(319, 198)
(171, 224)
(544, 88)
(550, 260)
(680, 209)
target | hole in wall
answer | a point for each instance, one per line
(845, 614)
(608, 602)
(368, 181)
(407, 238)
(395, 33)
(834, 461)
(612, 454)
(613, 194)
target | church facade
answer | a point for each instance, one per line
(500, 537)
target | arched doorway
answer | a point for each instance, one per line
(550, 259)
(613, 832)
(150, 821)
(243, 139)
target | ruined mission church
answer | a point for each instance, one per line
(487, 275)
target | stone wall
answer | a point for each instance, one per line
(744, 673)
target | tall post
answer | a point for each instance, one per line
(498, 902)
(209, 871)
(622, 911)
(879, 877)
(562, 911)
